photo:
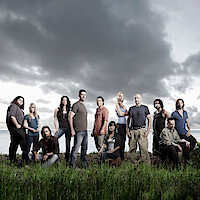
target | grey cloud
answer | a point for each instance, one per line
(101, 46)
(3, 101)
(44, 110)
(42, 101)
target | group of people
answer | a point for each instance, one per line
(72, 121)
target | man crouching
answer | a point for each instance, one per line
(171, 143)
(50, 148)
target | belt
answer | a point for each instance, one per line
(137, 127)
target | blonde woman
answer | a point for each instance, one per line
(121, 121)
(31, 123)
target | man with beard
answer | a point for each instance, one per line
(159, 119)
(50, 148)
(181, 118)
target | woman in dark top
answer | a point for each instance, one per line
(61, 116)
(111, 144)
(159, 119)
(14, 121)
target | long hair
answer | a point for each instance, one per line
(177, 103)
(160, 102)
(34, 113)
(42, 131)
(68, 106)
(15, 101)
(110, 124)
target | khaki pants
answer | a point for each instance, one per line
(138, 136)
(99, 141)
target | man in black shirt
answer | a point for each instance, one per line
(136, 130)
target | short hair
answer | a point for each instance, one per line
(42, 131)
(160, 102)
(15, 101)
(177, 103)
(81, 91)
(100, 97)
(170, 119)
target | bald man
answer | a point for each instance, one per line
(136, 130)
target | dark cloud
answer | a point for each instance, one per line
(102, 46)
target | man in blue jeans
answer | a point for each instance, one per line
(78, 123)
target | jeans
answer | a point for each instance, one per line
(50, 161)
(106, 155)
(80, 139)
(67, 132)
(18, 137)
(30, 140)
(190, 139)
(121, 128)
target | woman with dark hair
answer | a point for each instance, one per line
(14, 121)
(111, 144)
(61, 115)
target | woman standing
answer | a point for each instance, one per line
(14, 121)
(121, 121)
(61, 116)
(31, 122)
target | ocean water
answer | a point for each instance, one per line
(5, 141)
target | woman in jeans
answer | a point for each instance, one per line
(31, 122)
(61, 116)
(111, 144)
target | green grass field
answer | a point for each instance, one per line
(125, 182)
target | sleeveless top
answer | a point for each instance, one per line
(62, 119)
(158, 122)
(111, 143)
(121, 119)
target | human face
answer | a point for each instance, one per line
(32, 108)
(180, 104)
(171, 124)
(138, 99)
(99, 102)
(46, 133)
(157, 105)
(120, 97)
(20, 102)
(82, 96)
(64, 101)
(112, 128)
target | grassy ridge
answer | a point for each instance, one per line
(59, 182)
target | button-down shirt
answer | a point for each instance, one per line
(180, 122)
(48, 145)
(100, 117)
(170, 137)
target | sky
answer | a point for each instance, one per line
(54, 48)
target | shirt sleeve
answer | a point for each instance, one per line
(75, 108)
(56, 146)
(13, 110)
(26, 117)
(147, 111)
(105, 114)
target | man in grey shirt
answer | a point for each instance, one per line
(78, 123)
(137, 131)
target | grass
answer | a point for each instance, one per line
(126, 182)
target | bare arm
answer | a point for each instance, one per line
(14, 121)
(56, 119)
(102, 149)
(188, 126)
(27, 127)
(115, 149)
(167, 115)
(127, 127)
(119, 112)
(103, 127)
(149, 125)
(70, 118)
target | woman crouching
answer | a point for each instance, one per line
(111, 144)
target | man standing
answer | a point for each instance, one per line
(159, 119)
(181, 119)
(171, 143)
(137, 131)
(50, 148)
(14, 121)
(100, 124)
(78, 123)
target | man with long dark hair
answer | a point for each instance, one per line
(181, 118)
(159, 119)
(14, 121)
